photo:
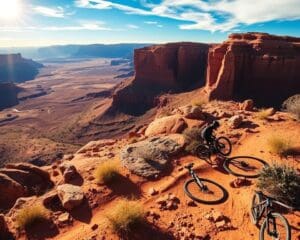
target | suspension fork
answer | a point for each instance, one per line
(198, 181)
(271, 225)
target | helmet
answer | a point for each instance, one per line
(216, 124)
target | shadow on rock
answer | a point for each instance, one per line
(123, 186)
(82, 213)
(42, 230)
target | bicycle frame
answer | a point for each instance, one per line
(267, 205)
(198, 181)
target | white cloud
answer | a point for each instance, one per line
(151, 22)
(132, 26)
(212, 15)
(90, 26)
(57, 12)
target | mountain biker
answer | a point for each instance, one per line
(207, 133)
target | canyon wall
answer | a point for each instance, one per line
(161, 68)
(14, 68)
(8, 95)
(260, 66)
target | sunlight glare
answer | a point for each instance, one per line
(10, 9)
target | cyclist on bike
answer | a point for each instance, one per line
(207, 133)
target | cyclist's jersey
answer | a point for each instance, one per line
(207, 133)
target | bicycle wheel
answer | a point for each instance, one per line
(214, 193)
(282, 231)
(255, 209)
(244, 166)
(223, 146)
(203, 151)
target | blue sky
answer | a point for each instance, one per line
(49, 22)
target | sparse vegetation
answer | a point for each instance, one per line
(125, 215)
(280, 145)
(107, 171)
(30, 215)
(193, 137)
(281, 182)
(199, 102)
(264, 113)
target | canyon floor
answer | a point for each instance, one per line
(63, 99)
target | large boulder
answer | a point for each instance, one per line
(21, 180)
(169, 124)
(68, 171)
(70, 196)
(149, 158)
(191, 112)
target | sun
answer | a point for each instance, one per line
(10, 9)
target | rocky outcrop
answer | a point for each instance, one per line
(21, 180)
(149, 158)
(259, 66)
(70, 196)
(161, 68)
(8, 95)
(14, 68)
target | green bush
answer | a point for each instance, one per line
(281, 182)
(193, 139)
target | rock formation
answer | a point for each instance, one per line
(161, 68)
(14, 68)
(21, 180)
(254, 65)
(8, 95)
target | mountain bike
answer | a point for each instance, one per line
(275, 226)
(244, 166)
(203, 190)
(220, 145)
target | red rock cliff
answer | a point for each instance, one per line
(254, 65)
(8, 95)
(161, 68)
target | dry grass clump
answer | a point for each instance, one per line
(281, 182)
(125, 215)
(280, 145)
(199, 102)
(264, 113)
(30, 215)
(193, 139)
(107, 171)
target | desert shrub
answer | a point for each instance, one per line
(264, 113)
(199, 102)
(107, 171)
(279, 145)
(125, 215)
(281, 182)
(193, 139)
(292, 105)
(30, 215)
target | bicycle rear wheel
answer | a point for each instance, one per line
(255, 209)
(223, 146)
(203, 151)
(282, 231)
(244, 166)
(214, 194)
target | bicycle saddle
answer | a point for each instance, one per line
(189, 166)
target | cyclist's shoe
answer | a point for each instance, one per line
(189, 166)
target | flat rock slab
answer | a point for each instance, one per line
(150, 157)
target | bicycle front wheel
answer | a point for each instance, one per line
(203, 151)
(223, 146)
(279, 228)
(212, 194)
(255, 209)
(244, 166)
